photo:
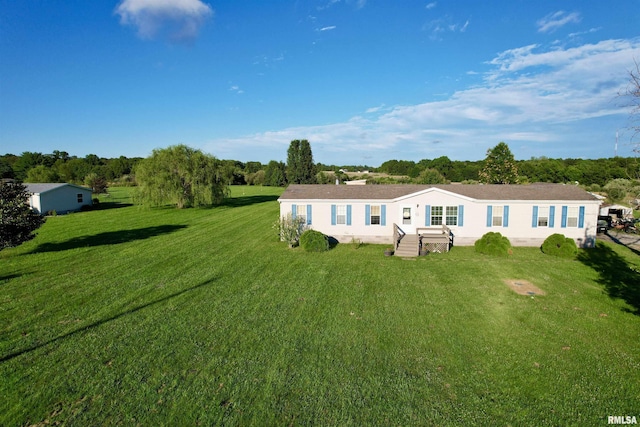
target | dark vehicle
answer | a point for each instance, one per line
(604, 223)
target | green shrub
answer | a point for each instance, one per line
(493, 244)
(560, 246)
(314, 241)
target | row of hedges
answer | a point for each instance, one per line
(555, 245)
(491, 243)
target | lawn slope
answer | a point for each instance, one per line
(128, 315)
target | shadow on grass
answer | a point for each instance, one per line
(236, 202)
(615, 239)
(103, 321)
(8, 277)
(102, 206)
(108, 238)
(619, 279)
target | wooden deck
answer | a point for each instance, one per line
(425, 240)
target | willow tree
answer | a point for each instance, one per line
(499, 166)
(180, 176)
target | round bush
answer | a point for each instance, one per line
(493, 244)
(314, 241)
(560, 246)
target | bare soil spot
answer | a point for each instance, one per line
(524, 287)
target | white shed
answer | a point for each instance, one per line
(58, 197)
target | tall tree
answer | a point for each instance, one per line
(431, 176)
(293, 162)
(41, 173)
(632, 94)
(499, 166)
(17, 220)
(275, 174)
(180, 176)
(300, 167)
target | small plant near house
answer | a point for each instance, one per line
(560, 246)
(314, 241)
(290, 229)
(493, 243)
(356, 243)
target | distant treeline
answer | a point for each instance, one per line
(537, 169)
(59, 166)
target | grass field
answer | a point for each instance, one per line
(134, 316)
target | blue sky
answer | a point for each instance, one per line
(364, 81)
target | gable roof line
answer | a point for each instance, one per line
(45, 187)
(433, 190)
(394, 192)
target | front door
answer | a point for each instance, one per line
(407, 220)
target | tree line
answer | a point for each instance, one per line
(59, 166)
(536, 169)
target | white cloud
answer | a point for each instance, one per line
(179, 20)
(438, 27)
(589, 31)
(431, 5)
(541, 101)
(555, 20)
(236, 89)
(329, 28)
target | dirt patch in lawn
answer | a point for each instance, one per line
(524, 287)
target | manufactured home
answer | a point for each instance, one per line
(444, 214)
(58, 197)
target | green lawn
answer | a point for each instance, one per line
(136, 316)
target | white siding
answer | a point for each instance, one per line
(62, 200)
(518, 229)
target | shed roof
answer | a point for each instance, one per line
(44, 187)
(539, 191)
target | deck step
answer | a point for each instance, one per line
(408, 246)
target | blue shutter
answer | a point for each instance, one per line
(552, 214)
(333, 214)
(427, 215)
(489, 215)
(308, 214)
(505, 219)
(460, 215)
(348, 214)
(367, 214)
(534, 220)
(563, 224)
(581, 217)
(294, 213)
(383, 215)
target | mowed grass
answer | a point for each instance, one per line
(136, 316)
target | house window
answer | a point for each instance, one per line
(375, 214)
(452, 215)
(301, 212)
(406, 216)
(543, 216)
(436, 215)
(341, 214)
(79, 197)
(497, 216)
(572, 216)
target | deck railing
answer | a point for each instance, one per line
(398, 234)
(435, 236)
